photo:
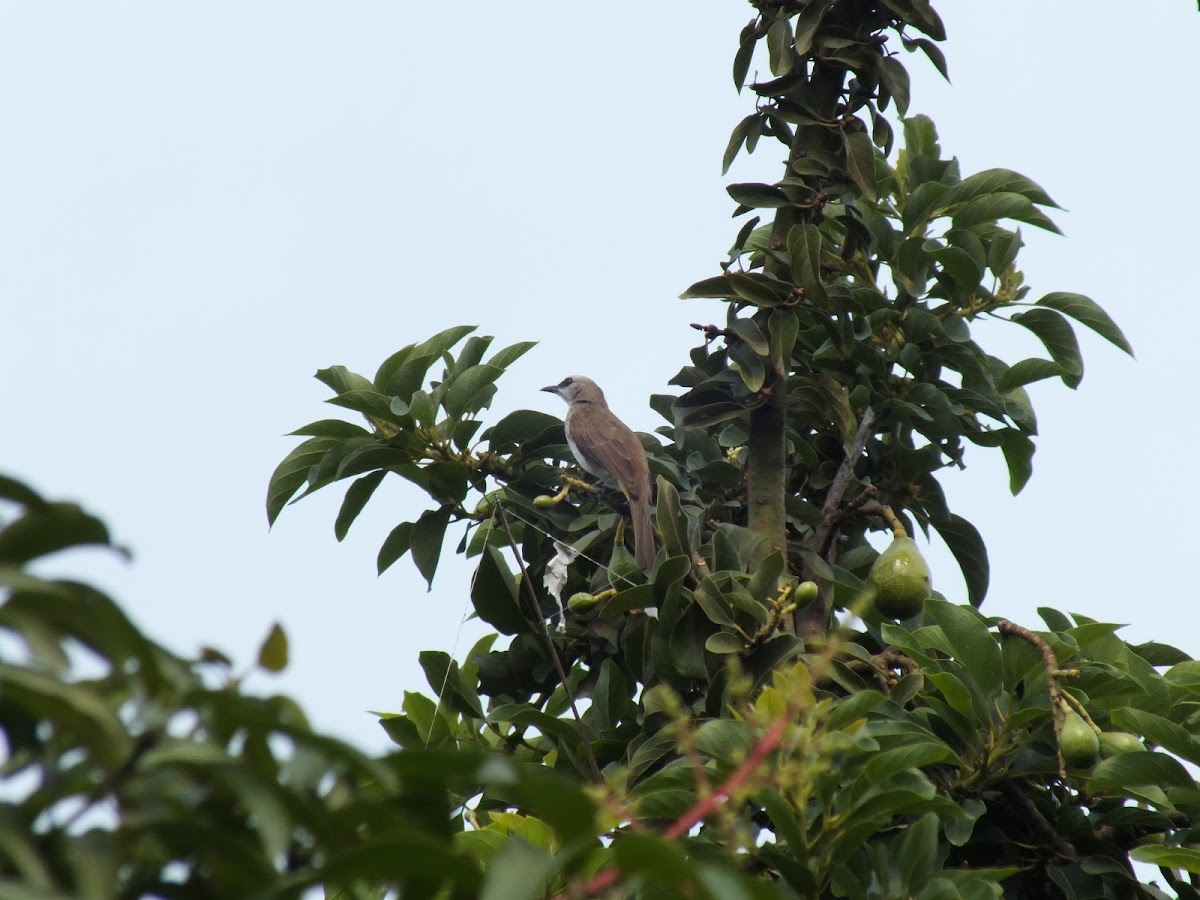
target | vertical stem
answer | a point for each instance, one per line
(767, 469)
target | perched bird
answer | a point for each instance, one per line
(608, 449)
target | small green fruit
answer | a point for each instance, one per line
(544, 501)
(805, 593)
(900, 579)
(1078, 742)
(1114, 742)
(581, 602)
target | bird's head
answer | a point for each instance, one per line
(577, 389)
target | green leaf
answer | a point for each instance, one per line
(427, 534)
(494, 594)
(886, 763)
(336, 428)
(19, 492)
(961, 266)
(1026, 372)
(930, 49)
(757, 289)
(518, 429)
(717, 287)
(395, 545)
(779, 46)
(1058, 337)
(894, 77)
(471, 391)
(48, 528)
(957, 694)
(992, 207)
(75, 708)
(1087, 312)
(723, 739)
(854, 707)
(736, 140)
(672, 523)
(807, 23)
(273, 654)
(504, 358)
(804, 246)
(758, 196)
(917, 851)
(356, 498)
(966, 544)
(638, 597)
(712, 601)
(341, 380)
(974, 645)
(998, 181)
(724, 642)
(369, 403)
(860, 163)
(1018, 451)
(445, 678)
(745, 54)
(1168, 857)
(1138, 769)
(518, 872)
(1160, 731)
(783, 327)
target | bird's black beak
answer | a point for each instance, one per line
(553, 389)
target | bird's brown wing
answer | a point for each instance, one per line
(614, 448)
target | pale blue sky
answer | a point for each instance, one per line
(203, 203)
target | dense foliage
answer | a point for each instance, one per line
(741, 720)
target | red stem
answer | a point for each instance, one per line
(704, 807)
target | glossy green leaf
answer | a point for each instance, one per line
(427, 534)
(336, 428)
(975, 645)
(807, 23)
(1137, 769)
(931, 50)
(804, 246)
(1018, 454)
(1028, 371)
(1169, 857)
(494, 594)
(995, 206)
(470, 391)
(966, 544)
(1160, 731)
(395, 545)
(292, 472)
(356, 498)
(1058, 337)
(895, 78)
(758, 196)
(1087, 312)
(724, 642)
(860, 161)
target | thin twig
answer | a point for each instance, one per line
(812, 620)
(833, 499)
(1053, 673)
(562, 674)
(1044, 829)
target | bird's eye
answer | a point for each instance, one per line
(566, 382)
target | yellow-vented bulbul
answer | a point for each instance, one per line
(607, 448)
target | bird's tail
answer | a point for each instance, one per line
(643, 533)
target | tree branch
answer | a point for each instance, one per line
(811, 621)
